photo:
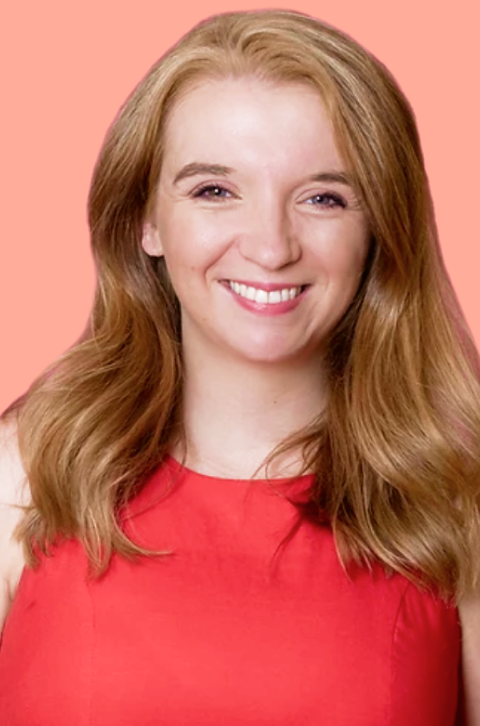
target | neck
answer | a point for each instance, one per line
(236, 412)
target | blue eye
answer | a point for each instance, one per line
(330, 201)
(215, 192)
(211, 191)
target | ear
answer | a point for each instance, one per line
(151, 242)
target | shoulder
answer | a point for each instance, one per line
(13, 494)
(469, 611)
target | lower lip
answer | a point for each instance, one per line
(286, 306)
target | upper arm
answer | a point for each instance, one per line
(13, 494)
(469, 611)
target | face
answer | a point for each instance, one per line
(263, 236)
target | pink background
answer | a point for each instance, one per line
(65, 70)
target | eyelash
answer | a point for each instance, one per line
(334, 200)
(209, 187)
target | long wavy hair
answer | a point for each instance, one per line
(396, 452)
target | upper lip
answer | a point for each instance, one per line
(267, 286)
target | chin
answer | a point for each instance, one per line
(273, 353)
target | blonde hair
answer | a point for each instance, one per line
(397, 451)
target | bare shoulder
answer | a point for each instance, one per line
(469, 611)
(13, 494)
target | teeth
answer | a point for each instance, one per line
(275, 296)
(262, 296)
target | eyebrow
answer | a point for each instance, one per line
(196, 167)
(340, 177)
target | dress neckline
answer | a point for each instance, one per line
(178, 468)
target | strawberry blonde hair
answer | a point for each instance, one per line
(396, 452)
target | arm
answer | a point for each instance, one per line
(470, 699)
(12, 493)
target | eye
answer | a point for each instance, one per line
(211, 191)
(328, 200)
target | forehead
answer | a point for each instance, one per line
(250, 118)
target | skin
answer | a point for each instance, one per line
(265, 226)
(242, 366)
(263, 229)
(264, 221)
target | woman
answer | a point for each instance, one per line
(253, 484)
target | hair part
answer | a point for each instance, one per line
(395, 452)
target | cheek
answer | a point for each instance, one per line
(193, 244)
(342, 257)
(189, 257)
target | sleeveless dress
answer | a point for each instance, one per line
(221, 632)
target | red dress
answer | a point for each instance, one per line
(219, 634)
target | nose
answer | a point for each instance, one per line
(268, 238)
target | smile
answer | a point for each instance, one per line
(263, 296)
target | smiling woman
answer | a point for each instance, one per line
(281, 221)
(251, 491)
